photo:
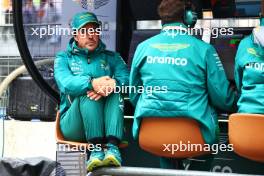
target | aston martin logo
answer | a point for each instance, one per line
(92, 4)
(170, 47)
(252, 51)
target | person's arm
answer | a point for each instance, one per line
(135, 78)
(221, 94)
(121, 74)
(66, 81)
(238, 71)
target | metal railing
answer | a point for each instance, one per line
(216, 23)
(137, 171)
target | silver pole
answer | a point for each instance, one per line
(137, 171)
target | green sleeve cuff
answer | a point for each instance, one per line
(90, 86)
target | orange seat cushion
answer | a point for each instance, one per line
(156, 134)
(246, 135)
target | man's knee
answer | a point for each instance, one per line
(115, 97)
(86, 99)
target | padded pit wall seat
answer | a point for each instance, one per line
(246, 135)
(156, 132)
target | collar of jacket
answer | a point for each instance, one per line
(73, 48)
(173, 26)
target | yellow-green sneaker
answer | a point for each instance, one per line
(95, 160)
(112, 156)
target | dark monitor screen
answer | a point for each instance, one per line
(220, 8)
(235, 8)
(248, 8)
(149, 9)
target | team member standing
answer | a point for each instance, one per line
(189, 68)
(86, 74)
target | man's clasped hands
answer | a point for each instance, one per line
(102, 87)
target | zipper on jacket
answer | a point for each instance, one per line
(88, 59)
(69, 98)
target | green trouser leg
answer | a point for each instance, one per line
(88, 119)
(114, 116)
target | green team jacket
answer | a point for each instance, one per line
(75, 67)
(190, 77)
(249, 76)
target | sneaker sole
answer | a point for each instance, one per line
(110, 160)
(95, 163)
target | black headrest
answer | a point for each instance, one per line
(144, 9)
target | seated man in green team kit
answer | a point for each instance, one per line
(87, 74)
(249, 72)
(190, 69)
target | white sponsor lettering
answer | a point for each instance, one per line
(167, 60)
(256, 66)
